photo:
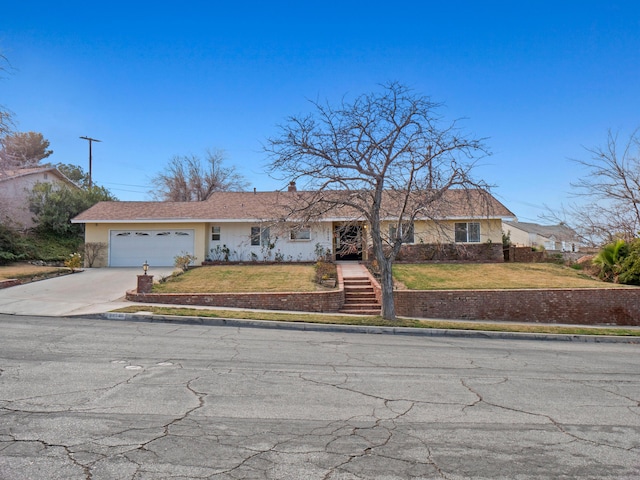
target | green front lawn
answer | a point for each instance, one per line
(242, 278)
(468, 276)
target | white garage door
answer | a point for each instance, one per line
(131, 248)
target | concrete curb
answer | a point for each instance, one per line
(322, 327)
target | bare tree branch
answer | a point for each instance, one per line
(609, 191)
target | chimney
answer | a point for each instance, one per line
(292, 186)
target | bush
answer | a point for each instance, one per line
(44, 247)
(325, 271)
(74, 262)
(630, 265)
(10, 250)
(609, 260)
(183, 260)
(93, 251)
(49, 248)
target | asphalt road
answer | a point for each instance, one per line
(98, 399)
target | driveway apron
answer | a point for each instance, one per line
(94, 290)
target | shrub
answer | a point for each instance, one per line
(93, 250)
(74, 262)
(9, 248)
(609, 260)
(183, 260)
(325, 271)
(630, 265)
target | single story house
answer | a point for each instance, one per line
(254, 226)
(552, 237)
(16, 186)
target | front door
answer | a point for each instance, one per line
(348, 242)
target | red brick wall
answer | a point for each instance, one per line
(9, 283)
(524, 255)
(425, 252)
(614, 306)
(329, 301)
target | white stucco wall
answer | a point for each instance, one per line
(237, 238)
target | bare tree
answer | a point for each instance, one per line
(190, 179)
(382, 156)
(23, 149)
(610, 188)
(6, 116)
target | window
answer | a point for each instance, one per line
(467, 232)
(406, 230)
(300, 233)
(260, 236)
(255, 235)
(215, 234)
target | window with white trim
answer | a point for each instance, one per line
(468, 232)
(300, 233)
(215, 233)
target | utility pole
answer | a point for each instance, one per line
(91, 140)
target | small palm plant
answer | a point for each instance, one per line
(609, 260)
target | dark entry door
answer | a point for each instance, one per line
(348, 242)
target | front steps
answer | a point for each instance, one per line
(359, 297)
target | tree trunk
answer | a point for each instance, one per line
(386, 282)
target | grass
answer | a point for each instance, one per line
(242, 278)
(28, 271)
(466, 276)
(379, 322)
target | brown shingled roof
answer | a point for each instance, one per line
(230, 206)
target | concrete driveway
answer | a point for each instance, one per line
(94, 290)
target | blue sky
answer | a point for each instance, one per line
(541, 79)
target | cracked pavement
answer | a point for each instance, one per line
(98, 399)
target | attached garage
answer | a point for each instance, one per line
(131, 248)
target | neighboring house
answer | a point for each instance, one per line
(246, 226)
(15, 188)
(552, 237)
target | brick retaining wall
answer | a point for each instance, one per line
(329, 301)
(610, 306)
(601, 306)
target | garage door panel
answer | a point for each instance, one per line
(131, 248)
